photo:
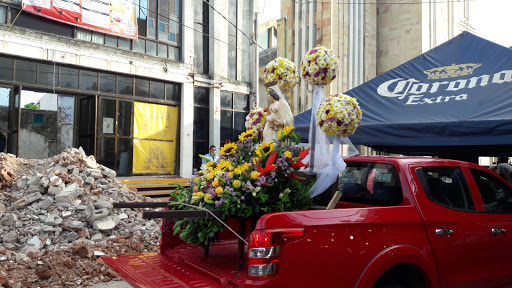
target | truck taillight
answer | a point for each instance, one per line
(264, 250)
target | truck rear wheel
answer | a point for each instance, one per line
(401, 276)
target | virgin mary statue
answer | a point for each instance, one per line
(279, 115)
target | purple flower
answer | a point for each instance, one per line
(242, 198)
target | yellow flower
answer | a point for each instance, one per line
(210, 176)
(196, 180)
(215, 183)
(207, 197)
(237, 171)
(237, 184)
(288, 154)
(255, 161)
(243, 167)
(219, 190)
(249, 134)
(228, 149)
(210, 164)
(266, 148)
(231, 174)
(288, 129)
(199, 194)
(255, 175)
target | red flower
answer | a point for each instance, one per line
(270, 166)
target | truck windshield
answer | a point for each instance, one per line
(370, 183)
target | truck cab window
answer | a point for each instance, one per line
(446, 186)
(496, 195)
(370, 183)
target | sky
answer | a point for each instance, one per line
(491, 20)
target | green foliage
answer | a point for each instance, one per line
(31, 105)
(251, 180)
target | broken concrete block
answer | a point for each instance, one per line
(35, 188)
(66, 197)
(103, 204)
(54, 190)
(95, 173)
(52, 220)
(109, 172)
(106, 224)
(45, 203)
(99, 214)
(34, 180)
(25, 200)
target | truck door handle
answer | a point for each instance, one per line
(498, 230)
(444, 231)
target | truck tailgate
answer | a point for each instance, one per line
(187, 268)
(152, 270)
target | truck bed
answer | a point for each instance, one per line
(188, 267)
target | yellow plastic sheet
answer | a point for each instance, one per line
(153, 156)
(152, 124)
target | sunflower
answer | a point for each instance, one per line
(247, 135)
(228, 149)
(286, 130)
(266, 148)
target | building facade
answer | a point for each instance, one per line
(145, 106)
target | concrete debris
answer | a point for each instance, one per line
(54, 211)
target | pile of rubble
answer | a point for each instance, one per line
(56, 220)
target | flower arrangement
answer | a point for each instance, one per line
(283, 71)
(250, 180)
(339, 115)
(255, 120)
(319, 66)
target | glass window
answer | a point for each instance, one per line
(201, 96)
(88, 80)
(98, 38)
(142, 16)
(107, 152)
(140, 46)
(226, 126)
(125, 118)
(201, 31)
(6, 68)
(108, 114)
(496, 195)
(157, 90)
(241, 102)
(111, 41)
(201, 122)
(226, 100)
(174, 53)
(69, 77)
(162, 50)
(232, 38)
(3, 17)
(152, 19)
(125, 85)
(151, 48)
(107, 83)
(124, 159)
(84, 35)
(47, 75)
(124, 43)
(141, 88)
(239, 124)
(370, 183)
(26, 71)
(446, 186)
(173, 92)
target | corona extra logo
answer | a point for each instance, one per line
(452, 71)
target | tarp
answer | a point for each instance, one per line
(154, 143)
(458, 93)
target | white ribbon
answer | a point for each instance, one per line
(327, 165)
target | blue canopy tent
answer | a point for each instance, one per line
(452, 101)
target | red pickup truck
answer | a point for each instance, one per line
(401, 222)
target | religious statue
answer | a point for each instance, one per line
(279, 115)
